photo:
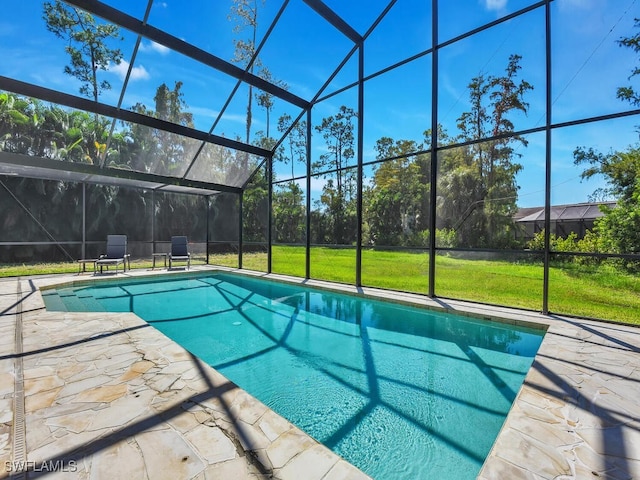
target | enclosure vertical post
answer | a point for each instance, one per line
(270, 211)
(153, 221)
(84, 220)
(360, 171)
(240, 246)
(434, 148)
(547, 186)
(208, 212)
(308, 225)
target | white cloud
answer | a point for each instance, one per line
(495, 4)
(137, 73)
(154, 47)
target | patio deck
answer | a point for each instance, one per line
(104, 395)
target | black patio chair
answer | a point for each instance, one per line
(116, 253)
(179, 251)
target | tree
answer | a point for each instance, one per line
(174, 148)
(17, 116)
(265, 99)
(159, 151)
(245, 13)
(478, 189)
(397, 209)
(294, 149)
(75, 136)
(619, 228)
(255, 208)
(288, 198)
(288, 213)
(628, 93)
(30, 127)
(339, 195)
(86, 45)
(89, 51)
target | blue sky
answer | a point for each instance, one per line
(303, 51)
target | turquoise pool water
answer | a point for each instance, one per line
(400, 392)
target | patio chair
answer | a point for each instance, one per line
(116, 253)
(179, 251)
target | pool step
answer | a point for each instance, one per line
(83, 304)
(71, 302)
(54, 303)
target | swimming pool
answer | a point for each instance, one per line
(400, 392)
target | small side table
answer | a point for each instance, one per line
(82, 264)
(155, 256)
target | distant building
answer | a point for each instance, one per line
(578, 218)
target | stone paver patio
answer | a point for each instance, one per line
(104, 395)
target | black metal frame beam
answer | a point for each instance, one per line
(54, 96)
(360, 140)
(269, 166)
(307, 255)
(240, 228)
(22, 160)
(433, 174)
(161, 37)
(334, 19)
(548, 148)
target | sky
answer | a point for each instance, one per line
(303, 51)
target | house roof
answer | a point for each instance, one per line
(563, 213)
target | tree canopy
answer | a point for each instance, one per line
(619, 229)
(628, 93)
(477, 189)
(87, 45)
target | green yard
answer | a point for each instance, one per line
(597, 292)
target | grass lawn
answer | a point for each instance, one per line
(490, 281)
(23, 270)
(598, 292)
